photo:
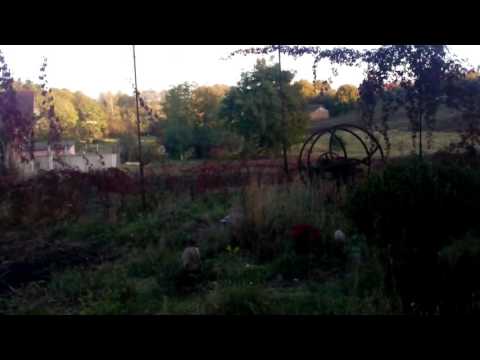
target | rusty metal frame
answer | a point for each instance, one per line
(307, 168)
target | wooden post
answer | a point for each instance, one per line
(284, 124)
(142, 181)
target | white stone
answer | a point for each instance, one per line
(191, 258)
(340, 236)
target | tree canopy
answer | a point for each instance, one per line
(421, 71)
(253, 108)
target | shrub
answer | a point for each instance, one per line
(459, 268)
(306, 239)
(327, 299)
(270, 213)
(213, 240)
(232, 269)
(290, 266)
(105, 290)
(239, 300)
(409, 213)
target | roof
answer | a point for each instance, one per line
(319, 113)
(43, 145)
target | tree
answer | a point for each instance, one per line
(345, 99)
(126, 109)
(307, 89)
(92, 120)
(154, 99)
(473, 74)
(207, 101)
(151, 111)
(347, 94)
(108, 102)
(323, 87)
(120, 115)
(178, 139)
(207, 131)
(463, 94)
(421, 71)
(17, 126)
(66, 112)
(253, 108)
(180, 118)
(187, 118)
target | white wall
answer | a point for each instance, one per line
(77, 162)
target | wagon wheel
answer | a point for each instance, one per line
(310, 168)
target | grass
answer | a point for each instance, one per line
(248, 268)
(143, 273)
(445, 132)
(400, 140)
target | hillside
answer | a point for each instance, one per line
(445, 133)
(447, 120)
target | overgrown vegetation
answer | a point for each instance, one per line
(403, 240)
(414, 214)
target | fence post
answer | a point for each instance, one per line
(50, 158)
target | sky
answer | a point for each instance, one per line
(93, 69)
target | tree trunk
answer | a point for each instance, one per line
(3, 167)
(8, 157)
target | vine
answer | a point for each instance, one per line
(420, 72)
(16, 129)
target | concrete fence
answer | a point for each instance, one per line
(81, 162)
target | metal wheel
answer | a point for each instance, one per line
(335, 161)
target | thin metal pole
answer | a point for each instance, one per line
(420, 118)
(285, 159)
(142, 180)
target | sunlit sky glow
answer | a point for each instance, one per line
(93, 69)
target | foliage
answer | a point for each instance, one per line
(17, 127)
(59, 195)
(242, 300)
(192, 120)
(138, 270)
(346, 98)
(253, 109)
(420, 70)
(464, 95)
(307, 88)
(66, 112)
(341, 101)
(181, 117)
(91, 117)
(207, 101)
(410, 212)
(270, 215)
(152, 151)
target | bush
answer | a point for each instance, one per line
(239, 300)
(270, 214)
(107, 290)
(409, 213)
(460, 269)
(151, 151)
(327, 299)
(290, 266)
(166, 268)
(232, 269)
(214, 240)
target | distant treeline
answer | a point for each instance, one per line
(197, 121)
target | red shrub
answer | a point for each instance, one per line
(306, 238)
